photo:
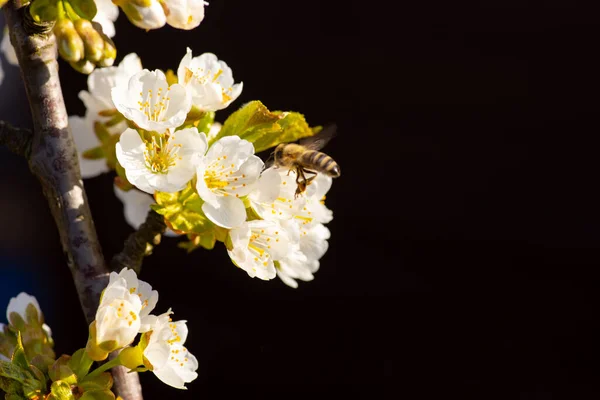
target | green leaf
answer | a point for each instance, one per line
(43, 10)
(104, 381)
(80, 363)
(265, 129)
(246, 121)
(183, 210)
(15, 372)
(19, 358)
(86, 9)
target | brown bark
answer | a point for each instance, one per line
(134, 250)
(53, 160)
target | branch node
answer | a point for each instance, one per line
(136, 244)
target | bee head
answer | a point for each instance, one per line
(279, 153)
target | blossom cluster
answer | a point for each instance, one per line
(124, 312)
(157, 130)
(30, 369)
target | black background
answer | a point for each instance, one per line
(465, 241)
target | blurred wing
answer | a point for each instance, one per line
(270, 161)
(319, 140)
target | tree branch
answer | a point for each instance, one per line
(53, 160)
(17, 140)
(136, 244)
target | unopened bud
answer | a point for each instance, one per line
(70, 45)
(151, 16)
(109, 54)
(93, 42)
(84, 66)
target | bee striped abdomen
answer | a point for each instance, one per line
(320, 162)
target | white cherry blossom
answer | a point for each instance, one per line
(97, 98)
(143, 290)
(106, 14)
(209, 80)
(229, 171)
(256, 245)
(118, 316)
(170, 361)
(184, 14)
(85, 138)
(274, 198)
(165, 163)
(302, 261)
(149, 101)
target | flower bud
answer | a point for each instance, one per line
(84, 66)
(109, 54)
(93, 42)
(184, 14)
(70, 45)
(145, 17)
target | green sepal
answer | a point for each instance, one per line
(96, 153)
(80, 363)
(132, 357)
(61, 391)
(98, 395)
(183, 210)
(39, 376)
(121, 179)
(202, 120)
(19, 358)
(43, 10)
(104, 381)
(60, 371)
(263, 128)
(207, 241)
(85, 9)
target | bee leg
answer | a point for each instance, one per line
(309, 180)
(300, 181)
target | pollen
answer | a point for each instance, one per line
(161, 154)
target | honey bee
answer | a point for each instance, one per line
(305, 159)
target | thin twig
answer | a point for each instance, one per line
(15, 139)
(134, 250)
(53, 160)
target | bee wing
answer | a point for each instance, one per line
(319, 140)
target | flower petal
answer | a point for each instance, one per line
(229, 213)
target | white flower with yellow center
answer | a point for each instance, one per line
(166, 163)
(274, 198)
(151, 103)
(143, 290)
(184, 14)
(118, 315)
(165, 354)
(97, 98)
(228, 172)
(302, 261)
(256, 245)
(209, 81)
